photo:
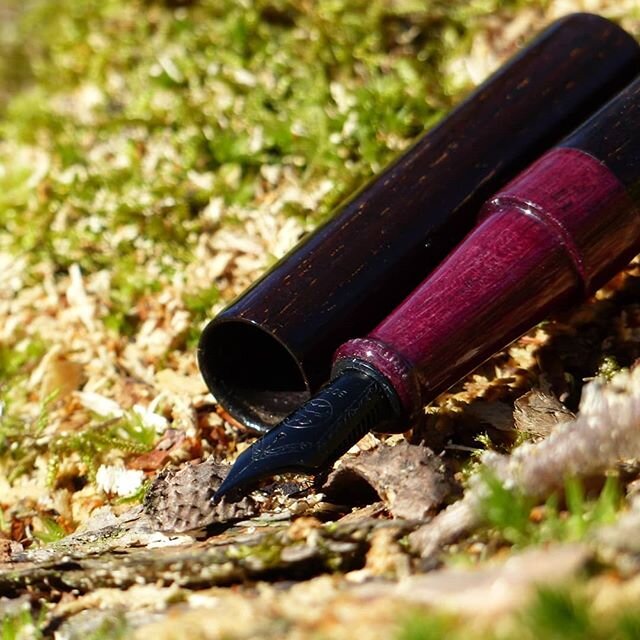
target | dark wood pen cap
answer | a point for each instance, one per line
(264, 354)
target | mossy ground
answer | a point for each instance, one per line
(155, 157)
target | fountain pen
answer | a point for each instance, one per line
(550, 237)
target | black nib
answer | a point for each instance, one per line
(318, 433)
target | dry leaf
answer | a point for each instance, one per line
(538, 413)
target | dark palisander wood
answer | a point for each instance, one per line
(265, 353)
(612, 138)
(554, 234)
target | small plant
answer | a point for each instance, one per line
(608, 367)
(567, 613)
(49, 531)
(558, 613)
(127, 434)
(522, 522)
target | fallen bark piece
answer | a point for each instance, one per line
(538, 413)
(448, 526)
(195, 565)
(410, 479)
(103, 533)
(509, 583)
(605, 432)
(180, 501)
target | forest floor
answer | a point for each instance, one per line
(155, 158)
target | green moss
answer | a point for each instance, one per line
(266, 554)
(608, 367)
(140, 113)
(560, 613)
(508, 512)
(91, 444)
(17, 432)
(21, 442)
(21, 625)
(199, 304)
(420, 625)
(49, 531)
(19, 358)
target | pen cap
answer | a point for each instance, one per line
(552, 236)
(264, 354)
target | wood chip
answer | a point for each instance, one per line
(170, 380)
(60, 375)
(410, 479)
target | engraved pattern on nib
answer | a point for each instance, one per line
(331, 422)
(316, 434)
(180, 500)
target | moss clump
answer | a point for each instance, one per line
(519, 520)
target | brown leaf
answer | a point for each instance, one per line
(18, 528)
(409, 479)
(538, 413)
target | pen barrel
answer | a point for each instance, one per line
(553, 235)
(263, 355)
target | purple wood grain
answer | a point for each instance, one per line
(556, 232)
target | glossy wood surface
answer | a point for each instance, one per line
(612, 138)
(344, 278)
(554, 234)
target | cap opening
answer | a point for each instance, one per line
(253, 375)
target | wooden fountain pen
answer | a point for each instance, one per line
(552, 236)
